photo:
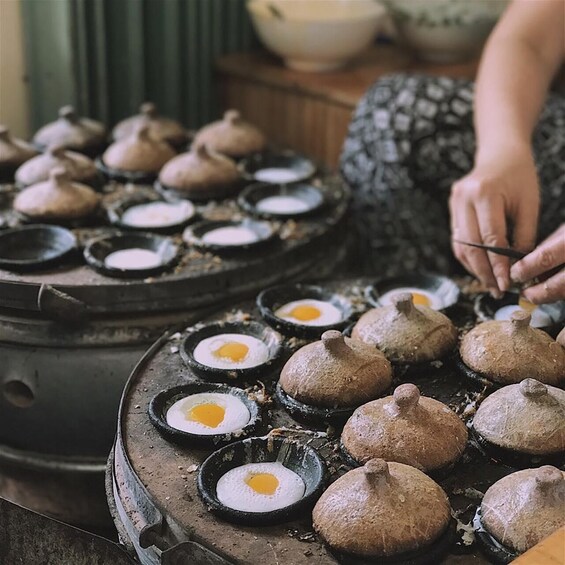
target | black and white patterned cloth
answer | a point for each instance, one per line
(410, 139)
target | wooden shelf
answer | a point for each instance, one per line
(310, 112)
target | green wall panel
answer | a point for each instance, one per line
(108, 56)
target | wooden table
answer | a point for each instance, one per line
(310, 112)
(550, 551)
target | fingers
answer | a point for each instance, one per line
(548, 255)
(492, 226)
(525, 227)
(551, 290)
(465, 227)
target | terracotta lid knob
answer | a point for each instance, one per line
(376, 472)
(548, 477)
(232, 117)
(406, 397)
(531, 388)
(56, 150)
(520, 319)
(403, 303)
(4, 133)
(142, 131)
(59, 176)
(148, 109)
(202, 151)
(333, 340)
(68, 113)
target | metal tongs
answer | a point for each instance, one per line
(506, 251)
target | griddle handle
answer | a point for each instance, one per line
(60, 306)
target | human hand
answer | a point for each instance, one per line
(500, 188)
(547, 256)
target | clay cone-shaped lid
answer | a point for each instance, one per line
(160, 127)
(381, 510)
(139, 152)
(58, 198)
(200, 174)
(13, 151)
(336, 372)
(561, 338)
(71, 131)
(407, 428)
(77, 166)
(528, 417)
(406, 333)
(511, 351)
(525, 507)
(232, 136)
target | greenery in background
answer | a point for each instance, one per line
(106, 57)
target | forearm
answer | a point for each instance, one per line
(519, 61)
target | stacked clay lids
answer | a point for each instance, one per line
(232, 136)
(507, 352)
(200, 174)
(160, 127)
(78, 167)
(139, 152)
(383, 510)
(523, 508)
(57, 199)
(408, 428)
(72, 132)
(526, 418)
(336, 372)
(13, 153)
(407, 333)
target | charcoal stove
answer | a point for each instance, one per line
(152, 483)
(69, 338)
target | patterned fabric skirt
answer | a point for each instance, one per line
(410, 139)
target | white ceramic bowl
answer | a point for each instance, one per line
(316, 35)
(445, 31)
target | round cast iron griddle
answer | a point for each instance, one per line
(200, 278)
(163, 476)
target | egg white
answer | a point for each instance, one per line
(435, 301)
(133, 259)
(257, 355)
(282, 205)
(236, 415)
(540, 318)
(157, 214)
(230, 235)
(329, 313)
(276, 175)
(232, 490)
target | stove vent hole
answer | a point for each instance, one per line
(18, 394)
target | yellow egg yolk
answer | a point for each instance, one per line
(232, 350)
(210, 415)
(420, 299)
(526, 305)
(305, 313)
(263, 483)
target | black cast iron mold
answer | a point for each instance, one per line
(299, 164)
(271, 338)
(271, 299)
(35, 247)
(265, 232)
(116, 210)
(300, 458)
(310, 413)
(119, 175)
(96, 251)
(250, 197)
(161, 402)
(426, 281)
(486, 306)
(492, 548)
